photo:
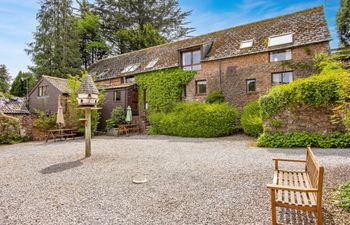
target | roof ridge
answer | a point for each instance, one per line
(316, 8)
(52, 77)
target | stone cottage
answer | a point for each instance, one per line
(244, 61)
(45, 94)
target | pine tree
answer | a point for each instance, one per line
(165, 16)
(343, 23)
(92, 46)
(4, 79)
(22, 83)
(55, 51)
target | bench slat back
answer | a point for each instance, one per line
(314, 170)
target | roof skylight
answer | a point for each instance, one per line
(280, 39)
(246, 44)
(131, 68)
(151, 64)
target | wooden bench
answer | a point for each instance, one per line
(127, 128)
(300, 190)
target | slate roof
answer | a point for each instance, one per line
(13, 105)
(59, 83)
(308, 26)
(87, 86)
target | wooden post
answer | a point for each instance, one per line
(88, 132)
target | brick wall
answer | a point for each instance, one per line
(303, 118)
(230, 75)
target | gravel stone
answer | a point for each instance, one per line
(189, 181)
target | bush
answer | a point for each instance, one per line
(196, 120)
(251, 120)
(9, 130)
(302, 139)
(45, 122)
(216, 97)
(331, 86)
(117, 117)
(344, 196)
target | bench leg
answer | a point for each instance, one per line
(273, 207)
(319, 217)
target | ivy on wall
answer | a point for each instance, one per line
(163, 88)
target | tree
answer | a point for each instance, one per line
(4, 79)
(55, 50)
(22, 82)
(138, 38)
(92, 46)
(343, 23)
(165, 16)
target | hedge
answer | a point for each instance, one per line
(216, 97)
(9, 130)
(251, 120)
(302, 139)
(196, 119)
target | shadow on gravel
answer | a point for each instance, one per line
(60, 167)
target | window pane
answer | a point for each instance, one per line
(186, 58)
(117, 95)
(280, 55)
(276, 79)
(196, 67)
(201, 87)
(251, 85)
(281, 39)
(287, 77)
(196, 57)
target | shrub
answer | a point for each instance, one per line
(216, 97)
(9, 130)
(344, 196)
(302, 139)
(196, 120)
(45, 122)
(251, 120)
(117, 117)
(331, 86)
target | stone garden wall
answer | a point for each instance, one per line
(303, 118)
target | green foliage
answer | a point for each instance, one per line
(9, 130)
(216, 97)
(165, 16)
(302, 139)
(45, 122)
(331, 86)
(251, 120)
(343, 196)
(163, 88)
(145, 36)
(117, 117)
(196, 120)
(92, 46)
(275, 123)
(55, 50)
(22, 82)
(4, 79)
(343, 23)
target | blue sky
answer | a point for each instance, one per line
(18, 22)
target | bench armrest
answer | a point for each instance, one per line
(291, 188)
(287, 160)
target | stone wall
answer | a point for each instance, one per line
(303, 118)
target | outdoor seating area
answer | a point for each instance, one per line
(127, 129)
(60, 134)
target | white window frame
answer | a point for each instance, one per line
(246, 44)
(280, 39)
(131, 68)
(152, 63)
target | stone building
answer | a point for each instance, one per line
(244, 61)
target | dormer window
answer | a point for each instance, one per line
(191, 60)
(246, 44)
(280, 40)
(131, 68)
(151, 64)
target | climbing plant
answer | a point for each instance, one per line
(163, 88)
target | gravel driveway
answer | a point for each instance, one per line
(190, 181)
